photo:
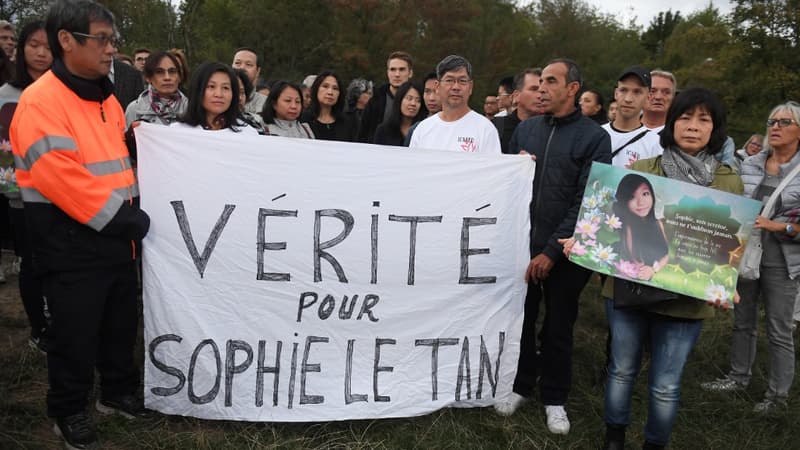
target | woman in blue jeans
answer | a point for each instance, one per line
(779, 269)
(694, 132)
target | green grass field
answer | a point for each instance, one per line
(705, 420)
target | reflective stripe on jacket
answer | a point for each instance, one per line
(74, 173)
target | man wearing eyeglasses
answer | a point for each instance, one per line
(139, 58)
(456, 127)
(82, 206)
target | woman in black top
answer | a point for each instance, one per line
(326, 113)
(407, 109)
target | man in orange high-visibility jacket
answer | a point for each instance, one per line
(82, 209)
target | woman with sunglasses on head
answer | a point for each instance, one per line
(779, 268)
(162, 102)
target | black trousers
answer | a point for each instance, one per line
(94, 321)
(560, 293)
(30, 285)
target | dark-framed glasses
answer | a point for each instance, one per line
(782, 123)
(102, 39)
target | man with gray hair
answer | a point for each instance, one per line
(456, 127)
(662, 90)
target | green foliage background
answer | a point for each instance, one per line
(750, 56)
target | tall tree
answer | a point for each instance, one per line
(20, 12)
(144, 23)
(660, 29)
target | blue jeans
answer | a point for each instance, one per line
(671, 342)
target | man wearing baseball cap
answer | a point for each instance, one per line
(630, 139)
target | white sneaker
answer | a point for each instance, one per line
(557, 421)
(510, 404)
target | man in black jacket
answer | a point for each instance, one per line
(399, 69)
(564, 144)
(528, 99)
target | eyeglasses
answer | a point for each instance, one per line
(102, 39)
(161, 71)
(452, 81)
(782, 123)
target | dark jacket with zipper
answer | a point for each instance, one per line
(565, 148)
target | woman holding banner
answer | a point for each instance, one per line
(695, 131)
(214, 100)
(779, 268)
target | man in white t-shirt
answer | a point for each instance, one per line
(630, 139)
(456, 127)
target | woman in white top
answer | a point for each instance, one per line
(214, 100)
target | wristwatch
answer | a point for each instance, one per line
(789, 229)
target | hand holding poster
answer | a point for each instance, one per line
(660, 232)
(300, 280)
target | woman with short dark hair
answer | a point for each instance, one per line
(694, 132)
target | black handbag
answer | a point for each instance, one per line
(629, 294)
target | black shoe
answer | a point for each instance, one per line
(129, 406)
(650, 446)
(615, 437)
(77, 431)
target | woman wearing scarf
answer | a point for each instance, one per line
(161, 102)
(695, 131)
(776, 287)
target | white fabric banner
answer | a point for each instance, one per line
(301, 280)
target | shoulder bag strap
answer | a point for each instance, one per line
(634, 139)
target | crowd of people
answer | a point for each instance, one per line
(74, 201)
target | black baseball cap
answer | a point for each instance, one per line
(639, 72)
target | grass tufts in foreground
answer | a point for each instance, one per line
(705, 420)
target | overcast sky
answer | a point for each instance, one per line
(645, 10)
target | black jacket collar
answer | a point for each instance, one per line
(90, 90)
(574, 116)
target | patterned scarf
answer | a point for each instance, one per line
(698, 169)
(165, 106)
